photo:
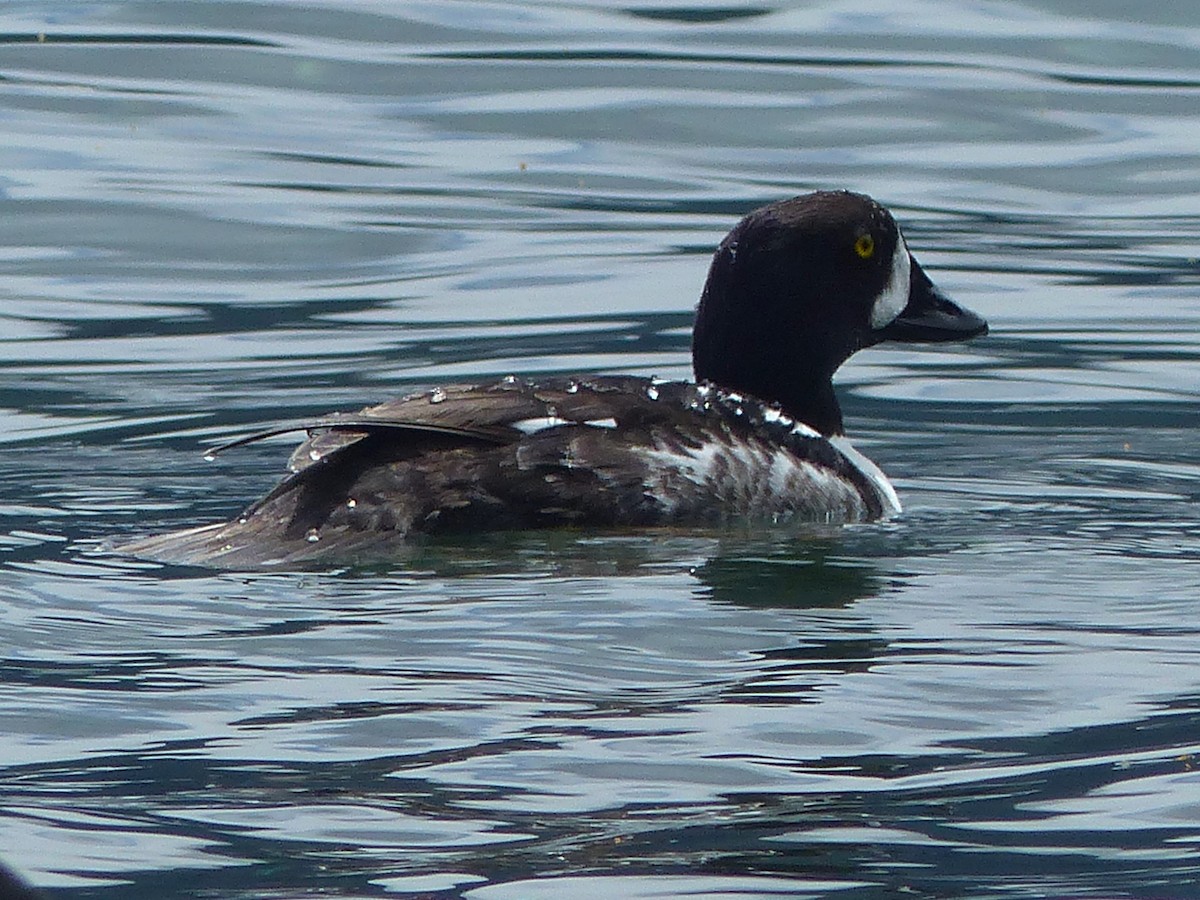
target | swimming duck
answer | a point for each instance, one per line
(793, 290)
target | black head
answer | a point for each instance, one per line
(800, 285)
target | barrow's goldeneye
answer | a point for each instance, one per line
(793, 290)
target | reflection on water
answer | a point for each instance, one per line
(218, 216)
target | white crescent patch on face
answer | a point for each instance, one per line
(894, 296)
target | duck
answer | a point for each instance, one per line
(794, 290)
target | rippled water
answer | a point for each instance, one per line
(218, 214)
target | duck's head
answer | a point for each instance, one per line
(800, 285)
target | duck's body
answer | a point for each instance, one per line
(793, 290)
(514, 454)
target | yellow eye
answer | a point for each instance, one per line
(865, 246)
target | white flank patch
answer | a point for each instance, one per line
(698, 464)
(894, 297)
(786, 472)
(749, 480)
(887, 494)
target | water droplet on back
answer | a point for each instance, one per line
(312, 535)
(437, 395)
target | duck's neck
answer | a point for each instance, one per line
(754, 343)
(815, 406)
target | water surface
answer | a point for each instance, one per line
(225, 214)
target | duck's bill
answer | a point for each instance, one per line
(931, 316)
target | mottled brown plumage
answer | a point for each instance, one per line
(515, 455)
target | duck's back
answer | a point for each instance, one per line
(513, 454)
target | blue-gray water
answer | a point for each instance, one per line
(218, 214)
